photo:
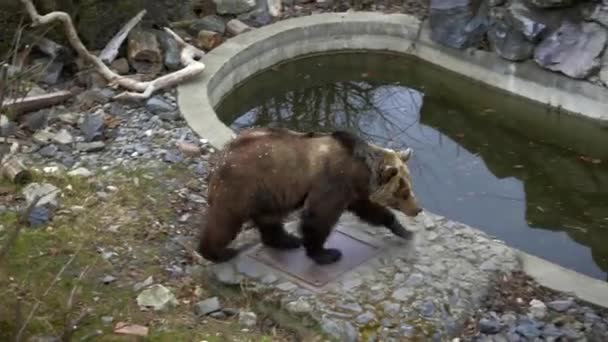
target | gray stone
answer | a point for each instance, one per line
(455, 24)
(256, 18)
(550, 330)
(604, 71)
(207, 306)
(39, 216)
(248, 319)
(36, 120)
(171, 50)
(47, 192)
(414, 280)
(173, 157)
(573, 50)
(156, 297)
(528, 329)
(299, 306)
(63, 137)
(353, 307)
(551, 3)
(340, 330)
(560, 305)
(68, 118)
(52, 71)
(147, 282)
(90, 146)
(158, 105)
(92, 126)
(509, 43)
(427, 309)
(599, 14)
(43, 137)
(286, 286)
(213, 23)
(406, 330)
(108, 279)
(269, 279)
(107, 320)
(402, 294)
(391, 309)
(80, 172)
(226, 274)
(489, 326)
(48, 151)
(365, 318)
(6, 126)
(234, 6)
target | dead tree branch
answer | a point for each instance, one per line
(109, 53)
(190, 57)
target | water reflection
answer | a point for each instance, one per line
(468, 164)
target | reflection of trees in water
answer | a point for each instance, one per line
(381, 113)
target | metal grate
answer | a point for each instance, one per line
(296, 264)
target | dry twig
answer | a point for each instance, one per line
(109, 53)
(190, 57)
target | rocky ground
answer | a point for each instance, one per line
(106, 252)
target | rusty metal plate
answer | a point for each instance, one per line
(296, 264)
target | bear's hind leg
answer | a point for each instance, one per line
(273, 233)
(219, 230)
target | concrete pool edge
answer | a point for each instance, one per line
(245, 55)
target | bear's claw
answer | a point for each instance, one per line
(325, 256)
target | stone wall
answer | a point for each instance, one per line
(565, 36)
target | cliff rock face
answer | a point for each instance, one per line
(98, 20)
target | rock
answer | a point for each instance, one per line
(339, 330)
(90, 98)
(48, 194)
(188, 149)
(489, 326)
(509, 43)
(51, 72)
(551, 3)
(107, 320)
(48, 151)
(256, 18)
(286, 286)
(391, 309)
(299, 306)
(560, 305)
(274, 7)
(236, 27)
(36, 120)
(234, 6)
(6, 126)
(156, 297)
(171, 51)
(427, 309)
(365, 318)
(43, 137)
(414, 280)
(92, 126)
(121, 66)
(139, 286)
(63, 137)
(68, 118)
(173, 157)
(91, 146)
(131, 329)
(226, 274)
(402, 294)
(208, 40)
(248, 319)
(39, 216)
(207, 306)
(528, 329)
(599, 14)
(212, 22)
(108, 279)
(269, 279)
(573, 50)
(80, 172)
(158, 105)
(604, 71)
(455, 24)
(550, 330)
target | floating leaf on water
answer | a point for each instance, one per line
(539, 208)
(460, 135)
(518, 166)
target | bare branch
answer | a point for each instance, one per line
(109, 53)
(190, 57)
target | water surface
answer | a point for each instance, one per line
(519, 171)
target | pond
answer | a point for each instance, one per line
(518, 170)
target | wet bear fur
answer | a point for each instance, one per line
(264, 174)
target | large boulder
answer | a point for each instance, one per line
(574, 49)
(459, 24)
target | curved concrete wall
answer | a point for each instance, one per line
(247, 54)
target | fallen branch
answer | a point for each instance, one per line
(109, 53)
(32, 103)
(190, 57)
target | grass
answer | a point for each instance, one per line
(135, 222)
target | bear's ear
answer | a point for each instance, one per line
(406, 154)
(387, 173)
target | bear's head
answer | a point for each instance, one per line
(392, 186)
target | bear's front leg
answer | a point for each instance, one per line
(378, 215)
(322, 211)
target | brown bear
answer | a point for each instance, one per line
(266, 173)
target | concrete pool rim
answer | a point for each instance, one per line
(243, 56)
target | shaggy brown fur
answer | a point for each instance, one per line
(264, 174)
